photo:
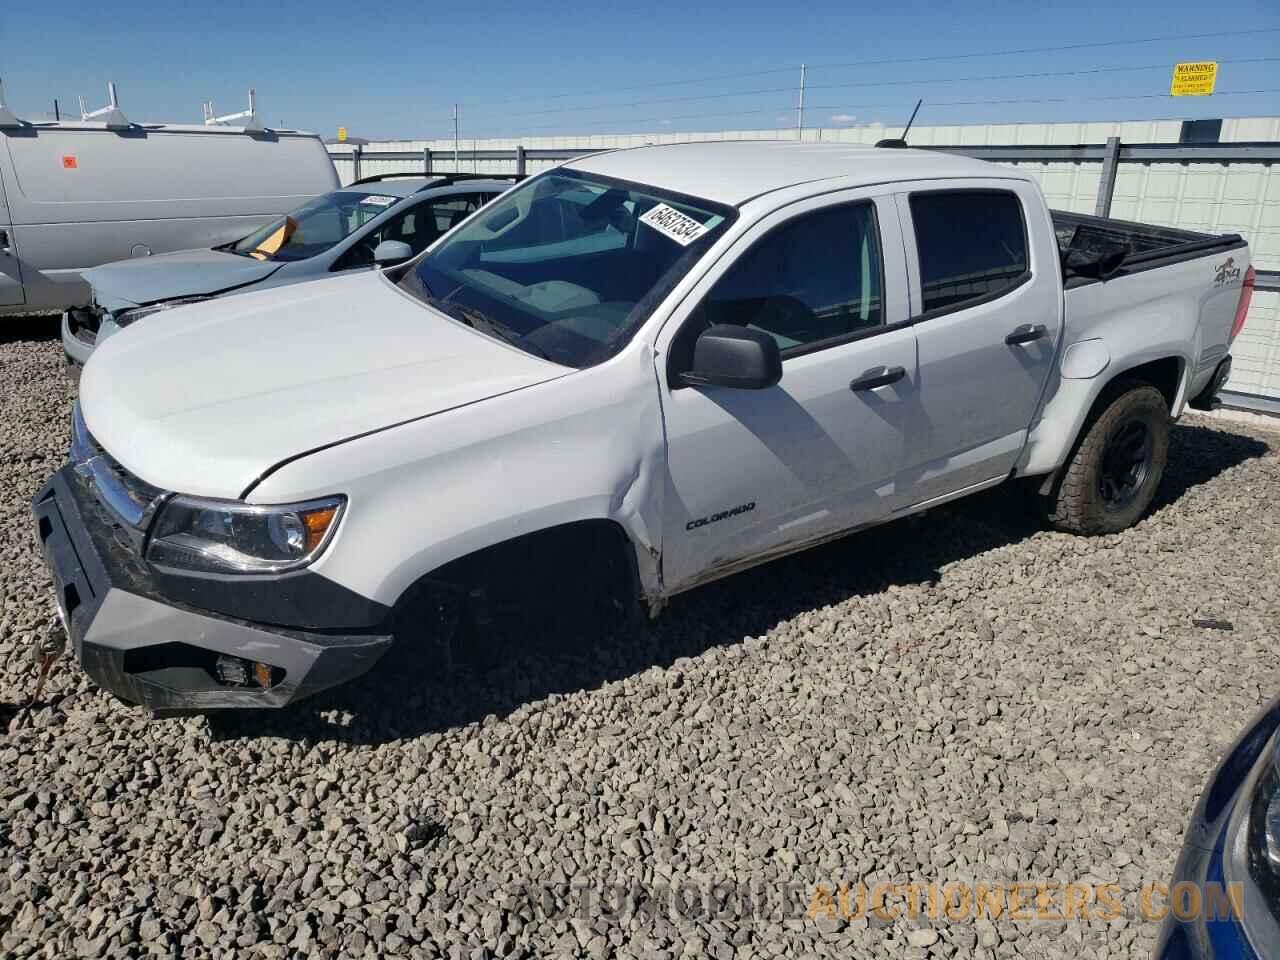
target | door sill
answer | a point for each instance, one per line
(953, 495)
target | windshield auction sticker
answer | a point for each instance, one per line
(377, 200)
(670, 222)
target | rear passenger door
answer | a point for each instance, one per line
(982, 260)
(752, 472)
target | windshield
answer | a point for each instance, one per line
(315, 226)
(569, 265)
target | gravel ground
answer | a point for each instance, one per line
(959, 697)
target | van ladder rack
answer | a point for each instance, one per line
(111, 114)
(248, 118)
(7, 117)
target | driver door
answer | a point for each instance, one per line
(757, 473)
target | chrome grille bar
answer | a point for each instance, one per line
(129, 500)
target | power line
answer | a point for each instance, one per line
(1026, 76)
(1057, 49)
(1128, 96)
(865, 83)
(900, 60)
(902, 105)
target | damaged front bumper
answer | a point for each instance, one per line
(80, 327)
(151, 650)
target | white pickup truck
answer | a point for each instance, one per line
(630, 375)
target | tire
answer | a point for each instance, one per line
(1116, 466)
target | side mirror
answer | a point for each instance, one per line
(390, 252)
(1095, 265)
(731, 356)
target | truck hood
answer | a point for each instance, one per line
(186, 273)
(208, 401)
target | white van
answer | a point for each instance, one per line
(76, 194)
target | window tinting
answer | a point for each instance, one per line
(420, 227)
(451, 211)
(813, 279)
(972, 245)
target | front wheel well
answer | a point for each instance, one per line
(585, 569)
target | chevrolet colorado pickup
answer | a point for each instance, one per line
(628, 376)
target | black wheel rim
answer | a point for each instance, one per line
(1126, 461)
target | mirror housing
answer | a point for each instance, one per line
(1101, 265)
(727, 355)
(390, 252)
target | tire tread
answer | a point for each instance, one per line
(1072, 506)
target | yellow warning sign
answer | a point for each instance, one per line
(1194, 79)
(342, 134)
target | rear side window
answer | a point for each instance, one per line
(972, 246)
(813, 281)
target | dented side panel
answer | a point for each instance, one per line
(1178, 310)
(587, 446)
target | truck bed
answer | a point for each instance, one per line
(1148, 246)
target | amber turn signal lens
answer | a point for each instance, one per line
(317, 523)
(262, 673)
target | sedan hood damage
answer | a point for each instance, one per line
(186, 273)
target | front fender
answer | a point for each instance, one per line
(588, 446)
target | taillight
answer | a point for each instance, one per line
(1246, 297)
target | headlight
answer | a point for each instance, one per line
(221, 536)
(126, 317)
(1263, 836)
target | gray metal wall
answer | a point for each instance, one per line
(1239, 196)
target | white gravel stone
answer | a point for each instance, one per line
(965, 696)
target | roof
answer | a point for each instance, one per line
(398, 186)
(733, 172)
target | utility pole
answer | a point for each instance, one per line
(800, 108)
(455, 138)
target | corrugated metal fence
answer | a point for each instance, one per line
(1225, 187)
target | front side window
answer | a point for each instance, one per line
(450, 211)
(816, 279)
(972, 246)
(315, 226)
(419, 227)
(567, 265)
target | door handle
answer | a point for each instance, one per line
(1025, 334)
(4, 242)
(878, 377)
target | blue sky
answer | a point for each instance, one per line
(394, 69)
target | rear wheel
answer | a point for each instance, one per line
(1116, 467)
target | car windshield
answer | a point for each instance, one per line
(315, 226)
(568, 265)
